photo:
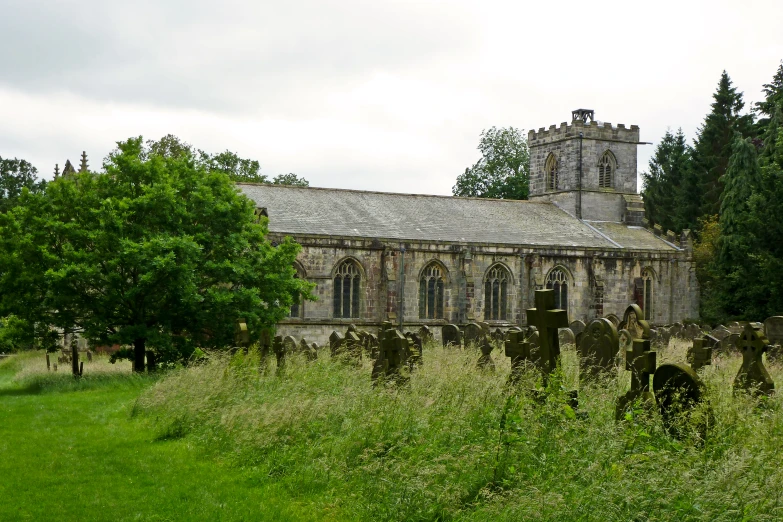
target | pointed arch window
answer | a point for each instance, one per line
(347, 283)
(551, 172)
(496, 287)
(606, 169)
(431, 286)
(647, 293)
(557, 280)
(297, 308)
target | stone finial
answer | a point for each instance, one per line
(686, 240)
(56, 170)
(670, 236)
(657, 230)
(83, 165)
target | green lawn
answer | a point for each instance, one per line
(78, 454)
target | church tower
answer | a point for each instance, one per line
(587, 168)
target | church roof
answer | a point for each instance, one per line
(415, 217)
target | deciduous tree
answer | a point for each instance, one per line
(502, 172)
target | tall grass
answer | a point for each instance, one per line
(456, 443)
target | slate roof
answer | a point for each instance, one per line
(383, 215)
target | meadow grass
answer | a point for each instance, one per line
(456, 443)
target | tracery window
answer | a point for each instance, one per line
(496, 294)
(297, 309)
(551, 172)
(431, 286)
(647, 293)
(606, 167)
(557, 280)
(347, 283)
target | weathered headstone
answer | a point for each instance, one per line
(753, 374)
(626, 340)
(450, 336)
(773, 329)
(631, 317)
(473, 333)
(241, 334)
(392, 361)
(734, 327)
(700, 353)
(692, 331)
(640, 360)
(426, 334)
(614, 319)
(498, 334)
(336, 342)
(417, 349)
(519, 350)
(678, 391)
(279, 349)
(720, 332)
(577, 327)
(598, 348)
(352, 345)
(547, 319)
(730, 343)
(566, 337)
(310, 353)
(676, 330)
(290, 344)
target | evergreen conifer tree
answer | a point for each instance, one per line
(713, 144)
(669, 167)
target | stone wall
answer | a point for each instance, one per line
(392, 269)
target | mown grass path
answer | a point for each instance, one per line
(78, 455)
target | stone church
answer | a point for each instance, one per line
(418, 259)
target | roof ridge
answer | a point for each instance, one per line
(295, 187)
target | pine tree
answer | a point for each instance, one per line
(713, 143)
(669, 167)
(773, 96)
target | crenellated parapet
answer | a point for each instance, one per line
(590, 130)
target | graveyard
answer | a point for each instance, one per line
(555, 420)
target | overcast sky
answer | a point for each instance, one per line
(375, 95)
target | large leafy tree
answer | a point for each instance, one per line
(665, 183)
(157, 252)
(713, 144)
(16, 175)
(502, 171)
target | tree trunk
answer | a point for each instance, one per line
(74, 359)
(139, 351)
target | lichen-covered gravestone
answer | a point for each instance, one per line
(678, 391)
(640, 360)
(426, 334)
(773, 329)
(614, 319)
(547, 319)
(566, 337)
(700, 353)
(598, 348)
(626, 340)
(450, 336)
(417, 351)
(473, 333)
(730, 342)
(352, 346)
(310, 353)
(577, 327)
(519, 349)
(753, 375)
(336, 343)
(392, 361)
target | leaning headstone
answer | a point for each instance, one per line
(336, 342)
(735, 327)
(392, 361)
(498, 334)
(753, 374)
(720, 332)
(598, 348)
(676, 330)
(426, 334)
(547, 319)
(730, 343)
(700, 353)
(773, 329)
(352, 345)
(692, 331)
(473, 333)
(678, 391)
(640, 360)
(450, 335)
(310, 353)
(485, 361)
(279, 349)
(417, 351)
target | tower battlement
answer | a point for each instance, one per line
(591, 130)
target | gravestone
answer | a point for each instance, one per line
(566, 336)
(336, 342)
(633, 314)
(498, 335)
(692, 331)
(450, 336)
(392, 361)
(290, 344)
(753, 374)
(773, 329)
(678, 391)
(426, 334)
(352, 345)
(265, 346)
(519, 350)
(720, 332)
(640, 360)
(374, 345)
(417, 349)
(626, 340)
(279, 349)
(485, 361)
(241, 334)
(614, 319)
(730, 343)
(734, 327)
(598, 348)
(700, 353)
(676, 330)
(547, 319)
(473, 333)
(664, 335)
(577, 327)
(310, 353)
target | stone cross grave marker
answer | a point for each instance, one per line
(700, 353)
(753, 374)
(392, 361)
(547, 320)
(678, 390)
(519, 349)
(598, 348)
(640, 360)
(450, 335)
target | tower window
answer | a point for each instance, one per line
(496, 294)
(551, 172)
(431, 286)
(347, 280)
(606, 167)
(557, 280)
